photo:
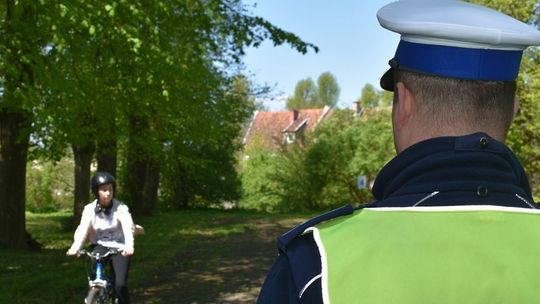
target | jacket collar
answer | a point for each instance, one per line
(467, 170)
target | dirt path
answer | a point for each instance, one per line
(218, 270)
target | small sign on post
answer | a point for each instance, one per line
(361, 182)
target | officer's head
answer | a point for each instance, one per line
(454, 69)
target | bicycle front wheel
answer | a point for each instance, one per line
(94, 295)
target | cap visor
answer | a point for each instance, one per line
(387, 80)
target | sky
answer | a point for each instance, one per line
(352, 46)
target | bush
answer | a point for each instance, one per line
(49, 186)
(346, 147)
(257, 172)
(321, 173)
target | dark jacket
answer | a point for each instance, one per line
(444, 171)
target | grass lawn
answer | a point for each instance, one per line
(49, 276)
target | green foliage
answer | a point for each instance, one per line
(202, 177)
(523, 10)
(49, 185)
(328, 89)
(153, 78)
(322, 173)
(385, 98)
(200, 162)
(348, 147)
(260, 189)
(307, 94)
(369, 97)
(524, 135)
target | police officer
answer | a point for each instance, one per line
(454, 220)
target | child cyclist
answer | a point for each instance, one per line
(107, 223)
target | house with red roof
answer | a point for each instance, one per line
(273, 130)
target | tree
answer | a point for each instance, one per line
(524, 10)
(385, 98)
(305, 95)
(369, 97)
(276, 181)
(193, 81)
(347, 147)
(80, 88)
(328, 90)
(524, 135)
(260, 190)
(322, 174)
(101, 75)
(20, 50)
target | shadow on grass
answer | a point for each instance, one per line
(217, 269)
(194, 256)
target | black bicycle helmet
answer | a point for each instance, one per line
(102, 178)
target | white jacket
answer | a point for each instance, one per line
(114, 230)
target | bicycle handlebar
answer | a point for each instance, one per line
(97, 255)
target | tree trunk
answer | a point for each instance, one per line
(107, 143)
(83, 160)
(134, 184)
(181, 194)
(151, 186)
(106, 156)
(142, 185)
(136, 167)
(13, 150)
(15, 121)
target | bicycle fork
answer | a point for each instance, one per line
(100, 277)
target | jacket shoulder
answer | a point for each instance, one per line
(285, 240)
(295, 275)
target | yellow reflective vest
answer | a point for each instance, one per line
(457, 254)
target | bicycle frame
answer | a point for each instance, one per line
(100, 285)
(100, 279)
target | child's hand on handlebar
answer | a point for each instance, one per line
(127, 251)
(72, 252)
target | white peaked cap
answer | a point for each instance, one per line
(455, 39)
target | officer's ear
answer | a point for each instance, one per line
(404, 105)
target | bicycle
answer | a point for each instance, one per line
(101, 288)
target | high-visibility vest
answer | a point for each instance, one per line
(459, 254)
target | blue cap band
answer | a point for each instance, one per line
(456, 62)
